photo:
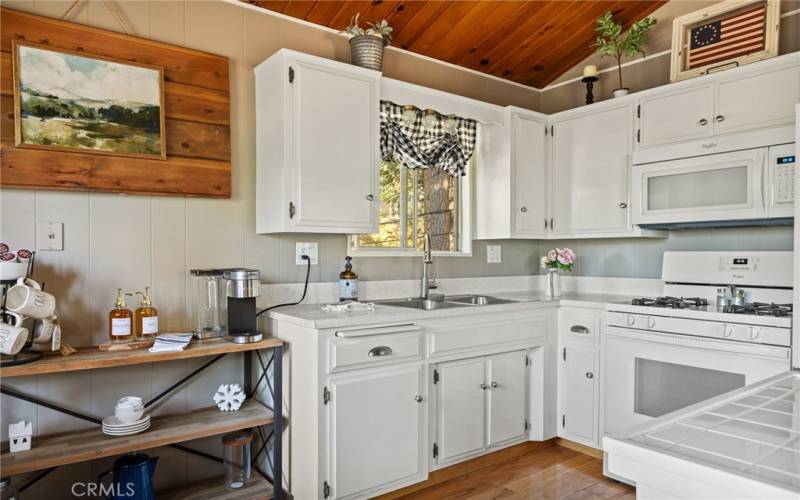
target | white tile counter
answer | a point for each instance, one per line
(743, 444)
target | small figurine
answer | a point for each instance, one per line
(19, 436)
(229, 397)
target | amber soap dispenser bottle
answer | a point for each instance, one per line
(146, 316)
(120, 321)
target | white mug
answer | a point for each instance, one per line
(27, 298)
(13, 337)
(43, 329)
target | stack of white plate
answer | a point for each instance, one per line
(113, 426)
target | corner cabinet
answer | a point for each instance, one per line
(317, 153)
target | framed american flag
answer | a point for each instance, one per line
(723, 36)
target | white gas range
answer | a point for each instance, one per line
(665, 353)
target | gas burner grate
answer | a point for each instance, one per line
(671, 302)
(761, 309)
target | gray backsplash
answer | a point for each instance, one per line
(623, 258)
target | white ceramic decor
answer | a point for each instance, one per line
(19, 436)
(229, 397)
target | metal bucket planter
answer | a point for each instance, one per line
(367, 51)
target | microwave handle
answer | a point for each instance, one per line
(765, 182)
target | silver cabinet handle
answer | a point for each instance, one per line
(719, 118)
(579, 329)
(523, 209)
(589, 375)
(623, 205)
(483, 386)
(702, 122)
(370, 197)
(494, 385)
(381, 350)
(708, 145)
(418, 398)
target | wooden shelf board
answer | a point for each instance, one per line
(93, 358)
(215, 489)
(62, 449)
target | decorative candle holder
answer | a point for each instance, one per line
(589, 81)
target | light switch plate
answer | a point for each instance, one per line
(493, 255)
(310, 248)
(50, 236)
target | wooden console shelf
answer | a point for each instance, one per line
(62, 449)
(215, 489)
(92, 358)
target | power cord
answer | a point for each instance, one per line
(305, 289)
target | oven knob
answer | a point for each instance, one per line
(754, 332)
(631, 320)
(727, 330)
(651, 322)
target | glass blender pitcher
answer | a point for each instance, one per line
(210, 303)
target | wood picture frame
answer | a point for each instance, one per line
(19, 141)
(682, 25)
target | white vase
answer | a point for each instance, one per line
(552, 286)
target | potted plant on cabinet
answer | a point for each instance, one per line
(366, 45)
(611, 42)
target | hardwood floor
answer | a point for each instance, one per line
(529, 470)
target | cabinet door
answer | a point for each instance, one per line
(335, 120)
(507, 376)
(375, 430)
(760, 100)
(578, 395)
(461, 409)
(591, 157)
(530, 183)
(677, 116)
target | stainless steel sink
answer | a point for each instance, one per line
(418, 303)
(444, 302)
(476, 300)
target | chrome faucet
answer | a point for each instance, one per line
(427, 259)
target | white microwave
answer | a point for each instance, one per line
(738, 187)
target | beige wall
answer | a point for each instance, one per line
(651, 72)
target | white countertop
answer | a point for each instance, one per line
(312, 316)
(746, 442)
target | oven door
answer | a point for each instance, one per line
(649, 374)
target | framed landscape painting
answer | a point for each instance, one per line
(71, 101)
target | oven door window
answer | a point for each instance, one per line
(665, 387)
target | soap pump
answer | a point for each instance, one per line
(348, 282)
(146, 316)
(120, 320)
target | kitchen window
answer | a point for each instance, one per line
(413, 202)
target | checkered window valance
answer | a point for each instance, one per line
(419, 146)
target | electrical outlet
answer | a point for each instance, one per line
(50, 236)
(310, 248)
(493, 254)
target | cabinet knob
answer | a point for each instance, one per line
(719, 118)
(623, 205)
(702, 122)
(494, 385)
(418, 398)
(589, 375)
(523, 209)
(370, 197)
(484, 386)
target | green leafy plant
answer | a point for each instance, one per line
(380, 28)
(611, 41)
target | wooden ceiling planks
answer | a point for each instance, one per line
(530, 42)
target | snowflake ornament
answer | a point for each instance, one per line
(229, 397)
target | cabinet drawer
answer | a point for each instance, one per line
(367, 350)
(446, 338)
(580, 325)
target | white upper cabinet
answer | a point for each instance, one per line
(591, 165)
(317, 126)
(529, 174)
(757, 100)
(676, 116)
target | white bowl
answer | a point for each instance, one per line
(128, 416)
(129, 402)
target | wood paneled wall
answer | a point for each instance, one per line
(196, 107)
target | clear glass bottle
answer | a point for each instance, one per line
(237, 458)
(146, 316)
(120, 321)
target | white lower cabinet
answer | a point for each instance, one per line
(481, 403)
(376, 431)
(578, 393)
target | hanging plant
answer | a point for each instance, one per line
(611, 41)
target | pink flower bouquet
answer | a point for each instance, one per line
(558, 258)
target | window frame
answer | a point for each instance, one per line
(465, 204)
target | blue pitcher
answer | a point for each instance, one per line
(132, 477)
